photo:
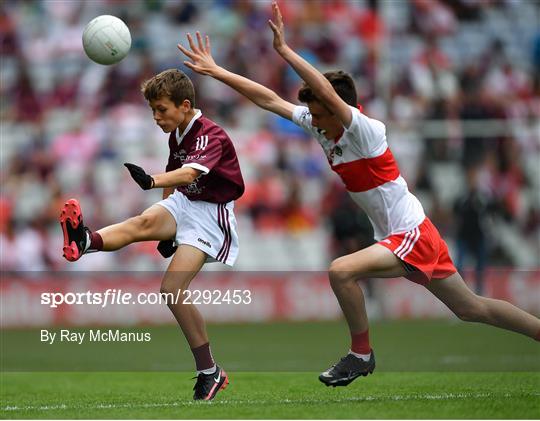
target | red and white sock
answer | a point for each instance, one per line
(360, 347)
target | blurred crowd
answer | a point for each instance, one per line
(456, 81)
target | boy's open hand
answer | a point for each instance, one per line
(201, 57)
(276, 24)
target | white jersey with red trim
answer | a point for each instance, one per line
(364, 162)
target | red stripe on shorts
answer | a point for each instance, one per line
(423, 249)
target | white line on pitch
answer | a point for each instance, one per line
(445, 396)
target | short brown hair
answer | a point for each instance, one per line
(172, 83)
(342, 83)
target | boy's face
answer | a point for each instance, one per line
(167, 115)
(324, 120)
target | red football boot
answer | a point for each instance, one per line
(75, 233)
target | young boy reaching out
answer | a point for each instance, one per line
(355, 145)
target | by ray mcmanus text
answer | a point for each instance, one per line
(93, 335)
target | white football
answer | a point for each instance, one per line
(106, 39)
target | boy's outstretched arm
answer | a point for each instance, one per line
(168, 180)
(202, 62)
(319, 84)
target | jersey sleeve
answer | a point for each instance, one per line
(369, 133)
(302, 118)
(205, 154)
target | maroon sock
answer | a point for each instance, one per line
(537, 337)
(360, 342)
(96, 242)
(203, 357)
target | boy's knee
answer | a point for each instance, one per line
(167, 288)
(144, 223)
(170, 293)
(173, 286)
(339, 272)
(335, 273)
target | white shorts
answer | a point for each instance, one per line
(210, 227)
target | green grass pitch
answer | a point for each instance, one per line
(425, 369)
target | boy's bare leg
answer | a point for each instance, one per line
(470, 307)
(371, 262)
(375, 261)
(155, 223)
(185, 264)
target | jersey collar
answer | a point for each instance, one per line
(180, 137)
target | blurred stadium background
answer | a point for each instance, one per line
(456, 81)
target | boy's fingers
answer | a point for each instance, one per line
(191, 43)
(279, 18)
(275, 10)
(275, 30)
(186, 51)
(207, 39)
(199, 40)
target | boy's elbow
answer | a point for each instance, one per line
(273, 104)
(191, 175)
(266, 104)
(269, 98)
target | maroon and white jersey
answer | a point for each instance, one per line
(206, 147)
(368, 169)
